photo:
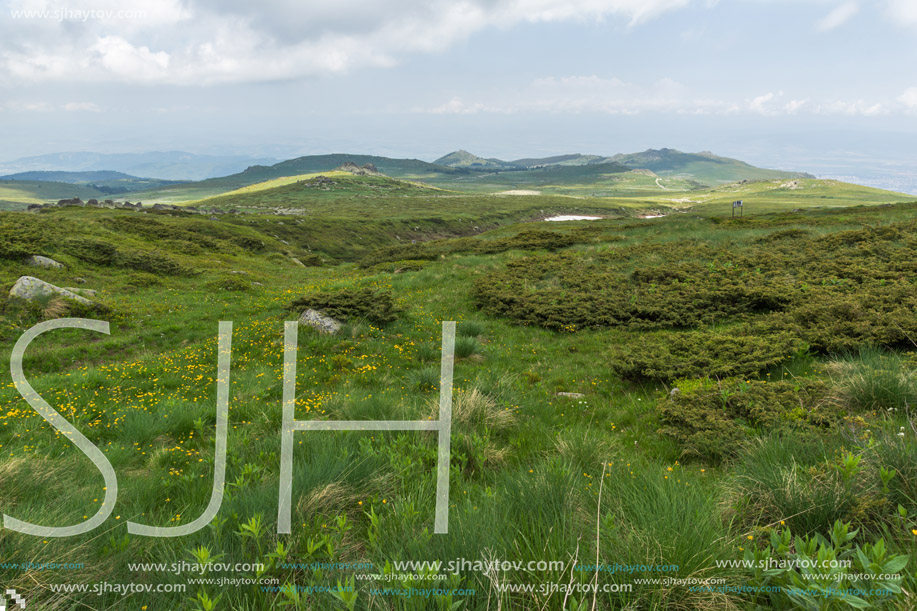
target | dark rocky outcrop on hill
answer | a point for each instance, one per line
(364, 170)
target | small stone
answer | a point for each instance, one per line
(572, 395)
(39, 261)
(320, 322)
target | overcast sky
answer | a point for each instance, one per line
(777, 82)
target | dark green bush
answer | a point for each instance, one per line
(142, 226)
(375, 305)
(248, 243)
(783, 234)
(229, 282)
(152, 262)
(91, 251)
(709, 418)
(665, 356)
(579, 290)
(22, 236)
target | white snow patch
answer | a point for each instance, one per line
(572, 217)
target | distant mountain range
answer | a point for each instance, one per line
(702, 167)
(168, 165)
(47, 177)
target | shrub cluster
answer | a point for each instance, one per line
(834, 292)
(375, 305)
(104, 253)
(21, 236)
(670, 355)
(710, 419)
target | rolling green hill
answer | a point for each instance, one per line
(466, 160)
(402, 168)
(17, 194)
(107, 182)
(705, 168)
(575, 159)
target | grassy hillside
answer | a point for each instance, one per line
(627, 193)
(574, 159)
(464, 159)
(17, 194)
(313, 164)
(787, 334)
(705, 168)
(108, 183)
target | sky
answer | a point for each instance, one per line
(827, 86)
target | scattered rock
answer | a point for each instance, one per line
(79, 280)
(30, 288)
(367, 170)
(318, 181)
(39, 261)
(297, 262)
(674, 391)
(320, 322)
(572, 395)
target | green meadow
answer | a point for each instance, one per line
(683, 412)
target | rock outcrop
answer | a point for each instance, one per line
(366, 170)
(30, 289)
(320, 322)
(39, 261)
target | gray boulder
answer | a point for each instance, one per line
(30, 288)
(320, 322)
(39, 261)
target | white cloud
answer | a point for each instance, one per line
(81, 107)
(903, 11)
(909, 99)
(456, 106)
(852, 108)
(838, 17)
(772, 104)
(218, 41)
